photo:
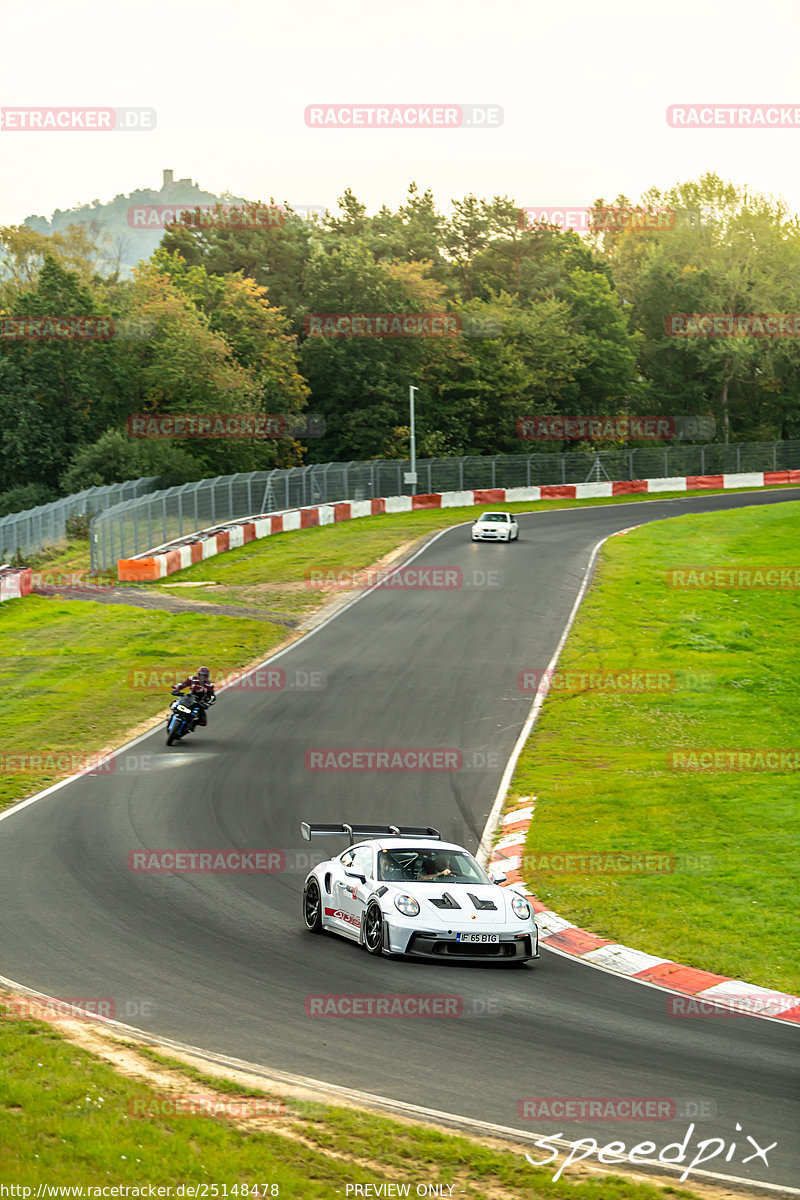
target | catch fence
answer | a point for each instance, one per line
(149, 521)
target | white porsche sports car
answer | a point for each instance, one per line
(495, 527)
(405, 891)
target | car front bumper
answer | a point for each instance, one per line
(490, 535)
(512, 945)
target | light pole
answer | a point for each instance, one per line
(411, 476)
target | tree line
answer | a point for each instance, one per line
(239, 316)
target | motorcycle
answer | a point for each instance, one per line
(185, 710)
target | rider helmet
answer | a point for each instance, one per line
(203, 674)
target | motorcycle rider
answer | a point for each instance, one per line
(201, 687)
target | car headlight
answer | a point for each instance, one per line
(406, 904)
(520, 907)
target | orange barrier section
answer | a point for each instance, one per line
(137, 570)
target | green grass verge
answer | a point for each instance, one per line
(598, 760)
(68, 1118)
(66, 675)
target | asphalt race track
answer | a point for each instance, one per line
(222, 961)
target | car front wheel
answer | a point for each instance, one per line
(373, 929)
(312, 907)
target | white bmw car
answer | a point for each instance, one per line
(495, 527)
(405, 891)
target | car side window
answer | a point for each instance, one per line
(347, 858)
(362, 861)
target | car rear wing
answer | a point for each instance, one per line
(311, 829)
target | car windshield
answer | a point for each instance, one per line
(494, 517)
(422, 864)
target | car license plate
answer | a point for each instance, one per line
(477, 937)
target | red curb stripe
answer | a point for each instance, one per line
(489, 495)
(277, 524)
(576, 941)
(248, 532)
(791, 1014)
(434, 500)
(377, 506)
(309, 517)
(341, 512)
(683, 979)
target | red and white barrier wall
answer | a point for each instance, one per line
(14, 584)
(177, 557)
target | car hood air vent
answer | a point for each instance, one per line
(445, 901)
(482, 904)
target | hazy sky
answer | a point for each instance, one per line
(584, 87)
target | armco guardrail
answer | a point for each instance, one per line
(177, 555)
(132, 528)
(30, 531)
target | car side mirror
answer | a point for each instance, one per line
(498, 877)
(356, 875)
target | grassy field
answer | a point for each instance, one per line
(67, 683)
(69, 1118)
(598, 762)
